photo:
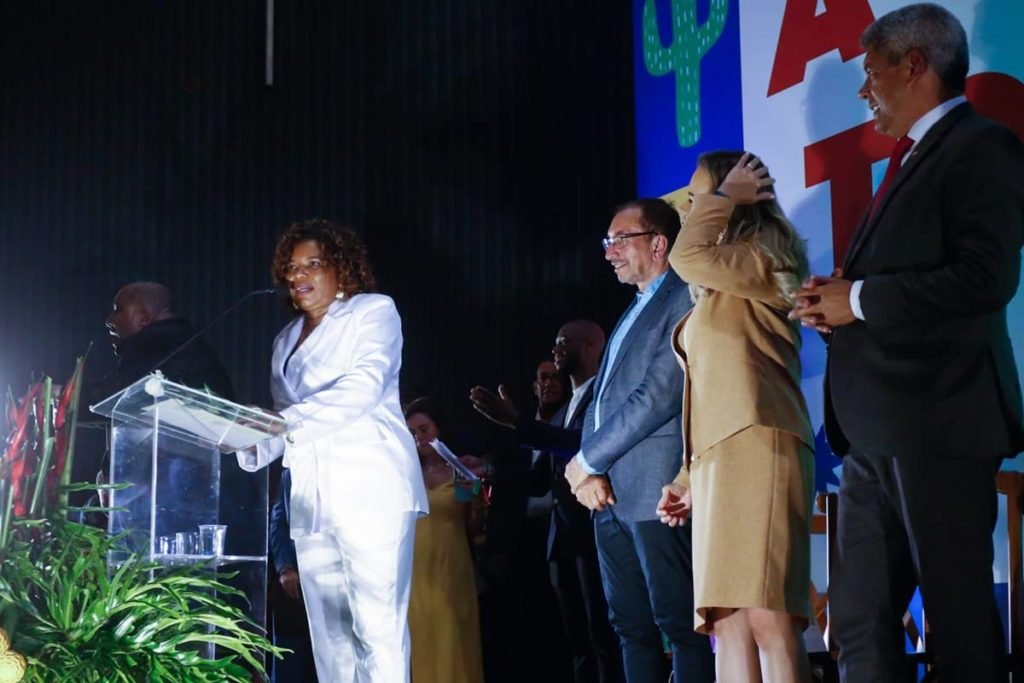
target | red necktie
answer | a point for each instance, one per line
(902, 146)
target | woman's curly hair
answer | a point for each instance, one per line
(340, 247)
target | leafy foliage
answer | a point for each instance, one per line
(142, 622)
(74, 616)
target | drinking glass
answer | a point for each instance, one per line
(165, 545)
(211, 539)
(186, 543)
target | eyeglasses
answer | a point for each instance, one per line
(620, 240)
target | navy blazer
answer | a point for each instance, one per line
(282, 547)
(572, 532)
(562, 442)
(640, 443)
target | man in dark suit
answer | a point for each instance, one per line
(519, 615)
(921, 391)
(291, 628)
(571, 553)
(146, 329)
(545, 651)
(631, 441)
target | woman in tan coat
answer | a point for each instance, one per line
(748, 474)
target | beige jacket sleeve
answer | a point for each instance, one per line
(735, 268)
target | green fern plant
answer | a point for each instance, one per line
(73, 616)
(75, 619)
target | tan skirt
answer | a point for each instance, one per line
(752, 496)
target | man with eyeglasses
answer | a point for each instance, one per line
(631, 441)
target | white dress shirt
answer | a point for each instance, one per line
(916, 133)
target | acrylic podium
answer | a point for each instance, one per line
(173, 446)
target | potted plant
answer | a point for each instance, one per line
(66, 615)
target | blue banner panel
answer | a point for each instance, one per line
(687, 81)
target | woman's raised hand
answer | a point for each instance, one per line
(748, 182)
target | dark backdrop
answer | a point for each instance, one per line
(478, 146)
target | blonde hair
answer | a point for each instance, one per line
(762, 224)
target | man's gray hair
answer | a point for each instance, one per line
(926, 27)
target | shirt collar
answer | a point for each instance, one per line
(653, 287)
(577, 398)
(583, 386)
(925, 123)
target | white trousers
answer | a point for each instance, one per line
(355, 583)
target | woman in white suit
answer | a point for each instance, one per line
(357, 489)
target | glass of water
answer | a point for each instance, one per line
(186, 543)
(165, 545)
(211, 539)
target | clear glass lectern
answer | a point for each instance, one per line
(169, 443)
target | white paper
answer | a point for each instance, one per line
(452, 460)
(228, 434)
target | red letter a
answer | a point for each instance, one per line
(804, 37)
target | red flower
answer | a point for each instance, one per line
(63, 424)
(21, 452)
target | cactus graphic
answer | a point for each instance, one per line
(689, 44)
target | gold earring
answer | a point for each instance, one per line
(340, 295)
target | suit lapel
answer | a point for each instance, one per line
(287, 373)
(294, 370)
(856, 240)
(677, 333)
(921, 152)
(581, 407)
(605, 360)
(651, 310)
(294, 363)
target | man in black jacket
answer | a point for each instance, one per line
(572, 557)
(290, 625)
(922, 396)
(147, 330)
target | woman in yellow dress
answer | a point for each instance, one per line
(444, 621)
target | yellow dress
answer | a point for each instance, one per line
(444, 622)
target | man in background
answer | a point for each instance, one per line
(146, 330)
(519, 613)
(290, 625)
(571, 554)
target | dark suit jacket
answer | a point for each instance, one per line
(931, 370)
(289, 615)
(640, 444)
(282, 547)
(195, 365)
(572, 532)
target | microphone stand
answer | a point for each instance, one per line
(207, 326)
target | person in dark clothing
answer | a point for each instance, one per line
(290, 626)
(519, 611)
(146, 330)
(571, 553)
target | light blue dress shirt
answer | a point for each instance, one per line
(612, 352)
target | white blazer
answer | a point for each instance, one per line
(349, 449)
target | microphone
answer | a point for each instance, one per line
(280, 291)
